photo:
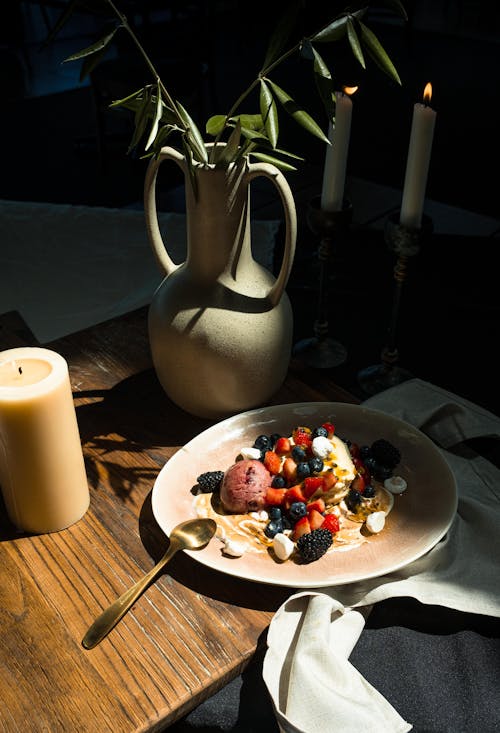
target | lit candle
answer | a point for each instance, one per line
(42, 471)
(332, 192)
(417, 166)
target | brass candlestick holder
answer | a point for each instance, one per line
(405, 243)
(321, 350)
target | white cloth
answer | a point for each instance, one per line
(313, 686)
(65, 268)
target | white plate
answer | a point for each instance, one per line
(420, 517)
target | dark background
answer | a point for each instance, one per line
(62, 144)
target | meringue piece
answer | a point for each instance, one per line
(321, 447)
(234, 548)
(395, 484)
(375, 522)
(260, 516)
(282, 546)
(250, 453)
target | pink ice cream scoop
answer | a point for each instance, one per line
(244, 486)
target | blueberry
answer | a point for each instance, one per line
(353, 499)
(370, 463)
(286, 523)
(297, 510)
(273, 439)
(303, 470)
(364, 452)
(369, 492)
(273, 527)
(298, 453)
(315, 465)
(275, 512)
(320, 432)
(262, 442)
(278, 482)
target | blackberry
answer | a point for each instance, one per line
(313, 545)
(385, 453)
(210, 481)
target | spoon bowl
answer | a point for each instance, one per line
(193, 534)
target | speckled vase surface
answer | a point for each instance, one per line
(220, 324)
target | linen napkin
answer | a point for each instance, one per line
(313, 686)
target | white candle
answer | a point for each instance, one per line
(417, 166)
(332, 192)
(42, 471)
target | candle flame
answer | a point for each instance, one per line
(350, 90)
(428, 92)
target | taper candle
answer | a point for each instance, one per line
(334, 173)
(42, 470)
(417, 165)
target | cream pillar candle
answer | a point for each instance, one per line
(417, 166)
(334, 173)
(42, 471)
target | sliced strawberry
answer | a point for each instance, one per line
(292, 494)
(354, 450)
(331, 522)
(282, 446)
(316, 519)
(289, 470)
(329, 480)
(275, 497)
(330, 427)
(301, 527)
(272, 462)
(359, 483)
(302, 436)
(312, 484)
(317, 504)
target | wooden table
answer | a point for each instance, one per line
(191, 633)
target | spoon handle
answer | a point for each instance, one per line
(117, 610)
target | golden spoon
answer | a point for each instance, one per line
(193, 534)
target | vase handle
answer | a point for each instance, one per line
(278, 179)
(160, 251)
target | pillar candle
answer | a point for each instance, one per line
(332, 193)
(42, 470)
(417, 166)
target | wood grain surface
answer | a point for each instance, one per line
(191, 632)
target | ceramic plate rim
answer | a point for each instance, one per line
(163, 497)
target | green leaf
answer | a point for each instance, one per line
(323, 80)
(396, 6)
(156, 118)
(140, 120)
(281, 34)
(299, 115)
(215, 124)
(280, 164)
(254, 135)
(336, 30)
(228, 152)
(94, 48)
(355, 43)
(269, 113)
(90, 62)
(377, 53)
(193, 134)
(61, 21)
